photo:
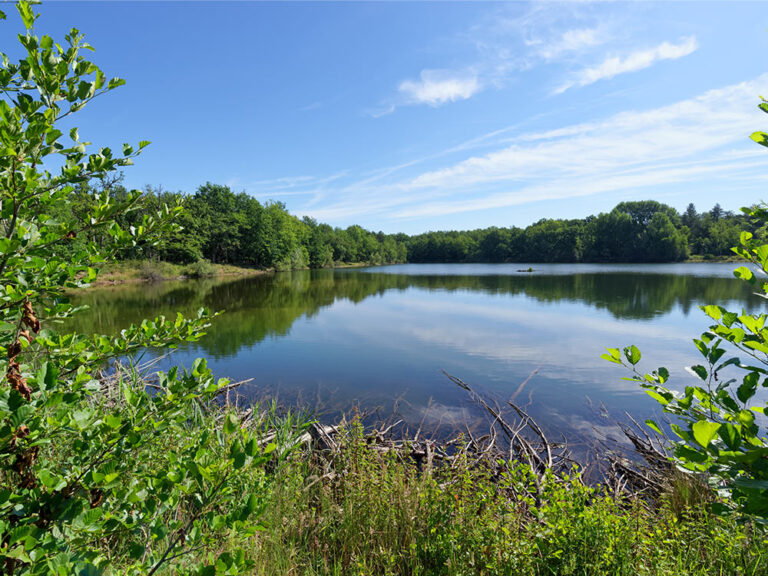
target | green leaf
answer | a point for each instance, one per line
(744, 273)
(688, 454)
(748, 388)
(113, 421)
(698, 370)
(730, 435)
(655, 427)
(701, 346)
(231, 423)
(704, 432)
(714, 312)
(632, 354)
(253, 503)
(613, 356)
(663, 400)
(760, 137)
(28, 16)
(252, 447)
(751, 483)
(269, 448)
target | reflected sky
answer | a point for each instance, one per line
(378, 339)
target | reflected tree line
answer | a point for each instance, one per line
(264, 307)
(222, 226)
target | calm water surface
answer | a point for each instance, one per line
(379, 338)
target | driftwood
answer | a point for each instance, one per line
(512, 437)
(643, 473)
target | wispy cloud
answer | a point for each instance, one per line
(695, 140)
(292, 185)
(436, 87)
(570, 41)
(504, 46)
(638, 60)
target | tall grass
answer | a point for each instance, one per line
(376, 514)
(371, 511)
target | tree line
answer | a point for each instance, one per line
(225, 227)
(644, 231)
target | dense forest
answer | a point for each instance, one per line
(225, 227)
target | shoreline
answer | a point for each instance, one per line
(112, 275)
(135, 272)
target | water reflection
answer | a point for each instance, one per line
(380, 337)
(259, 307)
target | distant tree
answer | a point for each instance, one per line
(663, 242)
(611, 238)
(690, 218)
(642, 212)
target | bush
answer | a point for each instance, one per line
(720, 421)
(155, 271)
(91, 477)
(200, 269)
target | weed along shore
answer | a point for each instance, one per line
(351, 499)
(131, 271)
(124, 272)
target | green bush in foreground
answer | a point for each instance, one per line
(89, 475)
(720, 421)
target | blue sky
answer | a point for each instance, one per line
(409, 117)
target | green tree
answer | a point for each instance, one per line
(663, 242)
(80, 470)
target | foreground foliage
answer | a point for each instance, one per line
(720, 421)
(88, 475)
(380, 515)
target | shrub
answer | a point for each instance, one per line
(720, 421)
(88, 478)
(200, 269)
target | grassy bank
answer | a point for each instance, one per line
(360, 503)
(710, 258)
(126, 271)
(375, 513)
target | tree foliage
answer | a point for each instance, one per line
(89, 474)
(645, 231)
(720, 420)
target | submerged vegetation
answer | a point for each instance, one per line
(111, 471)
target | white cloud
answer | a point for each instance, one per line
(702, 139)
(622, 141)
(615, 65)
(437, 87)
(570, 41)
(504, 46)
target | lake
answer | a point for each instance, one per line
(378, 339)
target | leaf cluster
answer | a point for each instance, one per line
(720, 421)
(92, 474)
